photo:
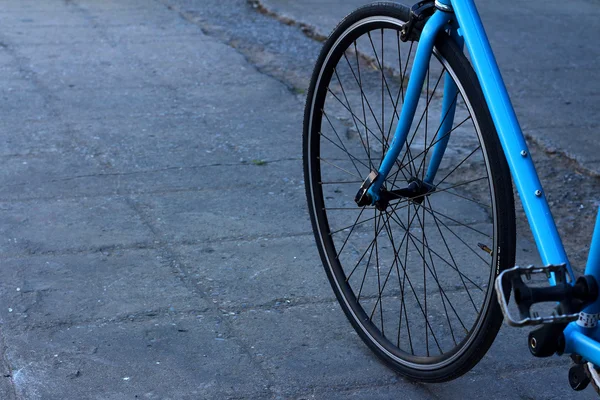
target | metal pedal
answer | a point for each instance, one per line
(525, 296)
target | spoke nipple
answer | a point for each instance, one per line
(523, 153)
(538, 193)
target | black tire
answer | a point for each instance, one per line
(465, 351)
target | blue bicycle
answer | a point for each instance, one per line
(409, 150)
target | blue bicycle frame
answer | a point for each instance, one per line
(463, 21)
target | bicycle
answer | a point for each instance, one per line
(431, 200)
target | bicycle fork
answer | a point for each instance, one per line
(370, 192)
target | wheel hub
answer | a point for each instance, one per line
(416, 191)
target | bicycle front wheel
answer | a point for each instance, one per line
(415, 279)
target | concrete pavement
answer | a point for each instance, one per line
(155, 242)
(547, 52)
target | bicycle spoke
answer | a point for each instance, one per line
(469, 199)
(362, 94)
(414, 135)
(452, 258)
(457, 222)
(338, 167)
(426, 127)
(364, 253)
(382, 287)
(401, 225)
(415, 293)
(351, 226)
(443, 294)
(486, 262)
(350, 156)
(358, 80)
(396, 263)
(340, 183)
(354, 117)
(362, 100)
(401, 285)
(380, 300)
(459, 164)
(337, 256)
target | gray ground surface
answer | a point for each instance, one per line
(547, 61)
(155, 236)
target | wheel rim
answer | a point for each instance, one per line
(331, 193)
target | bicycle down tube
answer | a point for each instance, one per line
(579, 340)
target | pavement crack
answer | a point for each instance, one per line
(6, 368)
(309, 30)
(565, 156)
(248, 53)
(142, 316)
(150, 245)
(153, 171)
(176, 264)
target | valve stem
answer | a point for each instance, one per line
(485, 248)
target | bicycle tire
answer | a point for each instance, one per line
(466, 354)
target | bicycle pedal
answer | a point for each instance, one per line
(525, 296)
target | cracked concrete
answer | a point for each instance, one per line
(155, 241)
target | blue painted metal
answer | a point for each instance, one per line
(511, 137)
(578, 341)
(593, 264)
(443, 134)
(415, 83)
(446, 118)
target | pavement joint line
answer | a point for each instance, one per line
(296, 302)
(313, 389)
(151, 171)
(139, 316)
(428, 388)
(302, 301)
(149, 246)
(173, 259)
(12, 200)
(48, 97)
(120, 193)
(534, 364)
